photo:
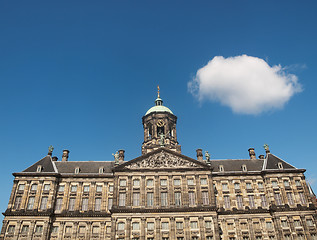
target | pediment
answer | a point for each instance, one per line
(163, 159)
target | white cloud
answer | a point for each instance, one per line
(246, 84)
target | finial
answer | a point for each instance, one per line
(50, 150)
(158, 91)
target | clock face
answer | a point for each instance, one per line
(160, 123)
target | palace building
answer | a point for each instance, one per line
(161, 195)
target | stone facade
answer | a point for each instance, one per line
(161, 195)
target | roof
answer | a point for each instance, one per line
(235, 165)
(272, 163)
(85, 167)
(158, 107)
(46, 163)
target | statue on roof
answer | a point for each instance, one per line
(116, 157)
(50, 150)
(207, 155)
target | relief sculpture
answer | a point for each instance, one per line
(163, 160)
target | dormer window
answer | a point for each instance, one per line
(77, 170)
(101, 170)
(39, 168)
(280, 165)
(221, 169)
(244, 168)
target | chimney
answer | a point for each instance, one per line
(261, 157)
(252, 153)
(199, 154)
(54, 159)
(65, 156)
(121, 156)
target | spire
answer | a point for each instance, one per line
(158, 101)
(158, 91)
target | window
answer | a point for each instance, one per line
(251, 201)
(84, 206)
(260, 185)
(297, 183)
(178, 200)
(244, 168)
(121, 199)
(110, 201)
(11, 229)
(286, 183)
(164, 199)
(61, 188)
(25, 228)
(163, 182)
(99, 188)
(300, 237)
(68, 229)
(136, 182)
(190, 181)
(149, 199)
(221, 168)
(17, 202)
(191, 196)
(302, 198)
(121, 226)
(205, 198)
(82, 229)
(309, 222)
(21, 187)
(97, 204)
(150, 226)
(111, 188)
(263, 200)
(195, 238)
(287, 237)
(209, 238)
(225, 187)
(34, 187)
(47, 187)
(58, 205)
(245, 238)
(180, 238)
(165, 226)
(274, 184)
(86, 188)
(208, 224)
(269, 225)
(203, 181)
(30, 203)
(278, 199)
(135, 226)
(177, 182)
(39, 229)
(136, 199)
(77, 170)
(236, 186)
(244, 226)
(39, 168)
(108, 229)
(95, 229)
(44, 203)
(179, 225)
(227, 201)
(71, 206)
(297, 223)
(194, 225)
(165, 238)
(290, 198)
(73, 188)
(249, 185)
(239, 201)
(123, 183)
(284, 223)
(313, 236)
(280, 165)
(230, 226)
(256, 225)
(149, 183)
(101, 170)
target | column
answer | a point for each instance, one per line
(303, 220)
(142, 192)
(17, 230)
(277, 228)
(170, 192)
(102, 230)
(31, 232)
(89, 229)
(75, 230)
(158, 228)
(128, 228)
(173, 233)
(11, 203)
(4, 227)
(201, 227)
(46, 228)
(198, 190)
(157, 191)
(129, 192)
(187, 228)
(216, 228)
(142, 236)
(113, 227)
(251, 230)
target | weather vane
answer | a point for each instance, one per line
(158, 91)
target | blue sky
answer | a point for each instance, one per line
(79, 75)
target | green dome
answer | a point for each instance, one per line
(158, 107)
